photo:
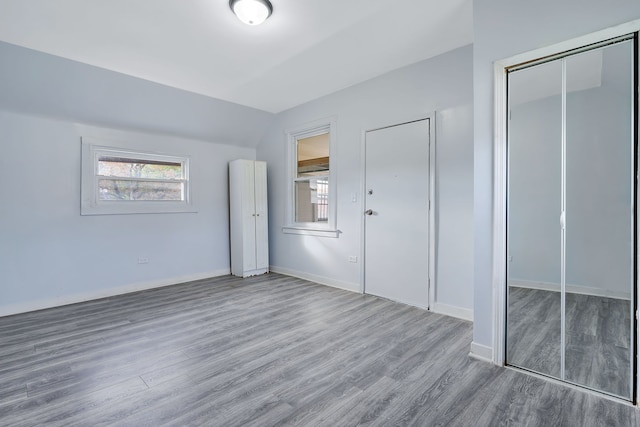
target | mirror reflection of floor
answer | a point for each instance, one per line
(597, 343)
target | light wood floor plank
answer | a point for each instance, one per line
(270, 350)
(598, 338)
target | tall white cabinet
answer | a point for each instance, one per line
(248, 217)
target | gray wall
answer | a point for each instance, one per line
(36, 83)
(503, 28)
(599, 151)
(441, 84)
(49, 254)
(535, 185)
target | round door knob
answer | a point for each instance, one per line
(368, 212)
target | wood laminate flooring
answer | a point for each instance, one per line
(263, 351)
(598, 341)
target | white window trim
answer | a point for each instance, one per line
(328, 229)
(90, 204)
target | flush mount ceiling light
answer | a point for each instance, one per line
(252, 12)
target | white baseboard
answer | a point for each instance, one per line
(481, 352)
(453, 311)
(447, 310)
(105, 293)
(572, 289)
(347, 286)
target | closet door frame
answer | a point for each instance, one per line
(500, 177)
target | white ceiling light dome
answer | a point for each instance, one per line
(251, 12)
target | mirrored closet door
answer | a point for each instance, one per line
(571, 217)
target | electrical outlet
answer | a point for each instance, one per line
(353, 258)
(143, 260)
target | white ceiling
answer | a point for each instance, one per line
(306, 49)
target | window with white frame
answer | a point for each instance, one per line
(124, 181)
(311, 207)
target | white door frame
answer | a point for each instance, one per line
(432, 198)
(500, 173)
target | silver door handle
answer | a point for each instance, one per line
(368, 212)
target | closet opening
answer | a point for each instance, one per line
(570, 216)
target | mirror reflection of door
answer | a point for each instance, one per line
(571, 218)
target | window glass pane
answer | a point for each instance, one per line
(137, 168)
(110, 189)
(312, 200)
(313, 155)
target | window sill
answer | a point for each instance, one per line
(311, 232)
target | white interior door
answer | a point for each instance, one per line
(397, 213)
